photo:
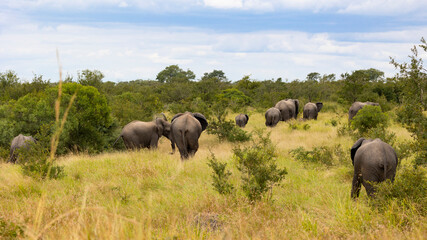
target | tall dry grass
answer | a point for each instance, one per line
(149, 194)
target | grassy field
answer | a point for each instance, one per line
(154, 195)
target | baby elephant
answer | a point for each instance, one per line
(19, 142)
(242, 120)
(374, 161)
(311, 110)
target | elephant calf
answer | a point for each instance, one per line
(19, 142)
(186, 129)
(311, 110)
(137, 134)
(374, 161)
(242, 120)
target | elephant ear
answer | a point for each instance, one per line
(319, 106)
(159, 126)
(296, 101)
(247, 118)
(355, 147)
(202, 120)
(176, 116)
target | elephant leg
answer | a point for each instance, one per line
(368, 184)
(193, 149)
(184, 153)
(357, 183)
(154, 141)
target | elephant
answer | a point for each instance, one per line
(272, 117)
(19, 142)
(311, 110)
(288, 109)
(374, 161)
(138, 134)
(186, 129)
(356, 106)
(242, 120)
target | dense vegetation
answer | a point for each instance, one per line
(150, 194)
(102, 108)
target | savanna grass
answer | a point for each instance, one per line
(151, 194)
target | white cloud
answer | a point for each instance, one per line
(125, 52)
(363, 7)
(224, 3)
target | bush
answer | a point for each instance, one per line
(36, 160)
(320, 154)
(296, 125)
(220, 176)
(369, 117)
(227, 130)
(257, 164)
(10, 230)
(409, 191)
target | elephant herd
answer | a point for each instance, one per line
(373, 160)
(287, 109)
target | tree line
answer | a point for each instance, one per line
(103, 107)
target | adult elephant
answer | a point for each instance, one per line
(185, 132)
(19, 142)
(272, 117)
(374, 161)
(137, 134)
(288, 109)
(356, 106)
(242, 120)
(311, 110)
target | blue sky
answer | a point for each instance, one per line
(129, 39)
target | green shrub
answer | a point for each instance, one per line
(322, 154)
(36, 163)
(257, 164)
(369, 117)
(10, 230)
(227, 130)
(298, 126)
(409, 191)
(220, 176)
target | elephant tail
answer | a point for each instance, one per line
(184, 143)
(117, 140)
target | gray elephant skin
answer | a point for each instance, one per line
(311, 110)
(374, 161)
(186, 129)
(242, 120)
(288, 109)
(19, 142)
(356, 106)
(137, 134)
(272, 117)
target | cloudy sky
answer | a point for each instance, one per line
(131, 39)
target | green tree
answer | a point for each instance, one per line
(413, 77)
(174, 74)
(90, 78)
(356, 86)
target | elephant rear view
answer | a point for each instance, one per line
(19, 142)
(311, 110)
(374, 161)
(272, 117)
(288, 109)
(242, 120)
(186, 129)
